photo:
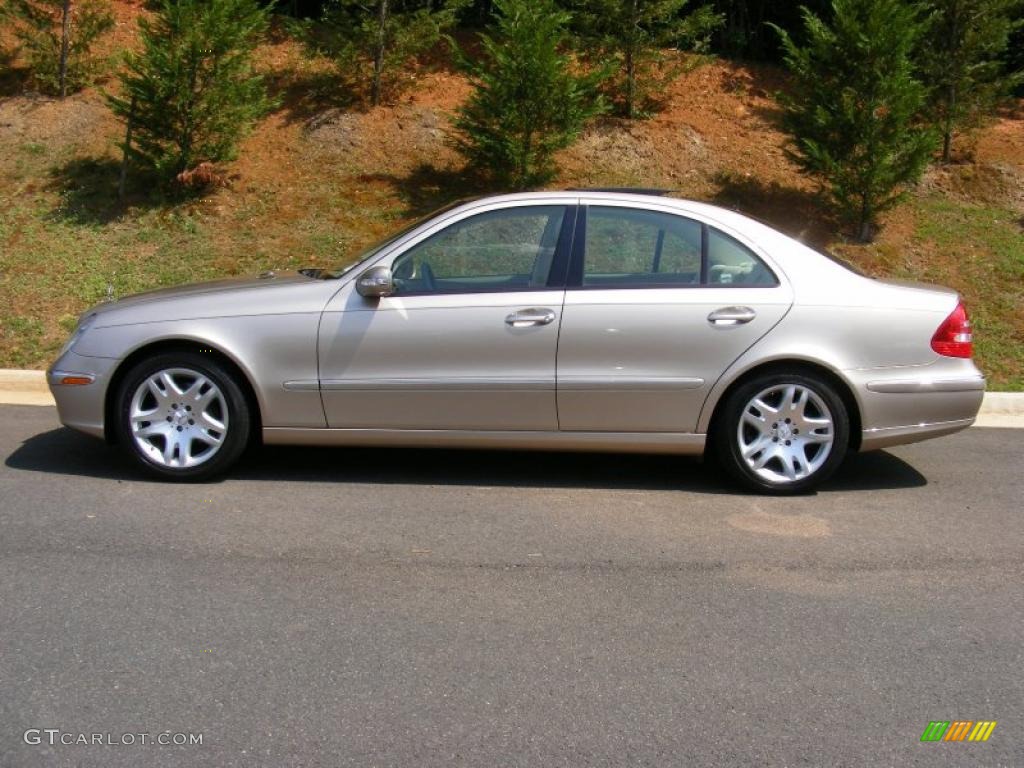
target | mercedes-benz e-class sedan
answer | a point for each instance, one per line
(594, 321)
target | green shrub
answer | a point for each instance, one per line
(191, 94)
(56, 38)
(854, 112)
(528, 101)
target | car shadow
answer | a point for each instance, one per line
(66, 452)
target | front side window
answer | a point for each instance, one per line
(505, 250)
(628, 246)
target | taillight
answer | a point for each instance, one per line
(953, 339)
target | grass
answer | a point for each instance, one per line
(56, 267)
(67, 244)
(982, 256)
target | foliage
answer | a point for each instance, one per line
(633, 34)
(747, 31)
(191, 94)
(56, 37)
(853, 113)
(1013, 56)
(962, 54)
(528, 102)
(371, 43)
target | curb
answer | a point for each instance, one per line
(1007, 403)
(18, 387)
(24, 387)
(15, 380)
(1001, 409)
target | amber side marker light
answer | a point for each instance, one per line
(76, 381)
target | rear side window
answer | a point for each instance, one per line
(732, 263)
(635, 248)
(627, 246)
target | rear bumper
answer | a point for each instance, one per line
(884, 437)
(898, 409)
(81, 406)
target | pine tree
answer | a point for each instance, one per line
(853, 114)
(371, 42)
(528, 102)
(747, 30)
(57, 37)
(633, 34)
(962, 56)
(191, 94)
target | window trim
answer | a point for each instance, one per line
(574, 280)
(556, 272)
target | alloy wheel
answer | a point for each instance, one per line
(785, 433)
(178, 418)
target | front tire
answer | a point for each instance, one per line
(783, 433)
(182, 416)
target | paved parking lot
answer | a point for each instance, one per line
(413, 608)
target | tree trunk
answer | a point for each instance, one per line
(65, 41)
(630, 85)
(865, 233)
(378, 53)
(526, 164)
(947, 134)
(634, 22)
(127, 151)
(951, 95)
(188, 126)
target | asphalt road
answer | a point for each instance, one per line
(413, 608)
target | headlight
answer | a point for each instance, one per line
(83, 326)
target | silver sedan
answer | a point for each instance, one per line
(592, 321)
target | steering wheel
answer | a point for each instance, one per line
(427, 274)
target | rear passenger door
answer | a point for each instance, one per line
(657, 307)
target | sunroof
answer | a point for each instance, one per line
(624, 190)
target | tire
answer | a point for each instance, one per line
(199, 419)
(782, 433)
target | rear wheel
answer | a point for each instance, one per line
(181, 416)
(783, 433)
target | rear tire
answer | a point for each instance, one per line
(782, 433)
(181, 416)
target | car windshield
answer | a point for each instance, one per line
(376, 248)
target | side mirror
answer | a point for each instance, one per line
(375, 283)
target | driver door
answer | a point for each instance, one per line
(468, 339)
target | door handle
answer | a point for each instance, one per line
(524, 318)
(727, 316)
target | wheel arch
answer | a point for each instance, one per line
(162, 346)
(792, 365)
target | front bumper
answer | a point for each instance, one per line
(81, 406)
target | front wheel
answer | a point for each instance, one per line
(783, 433)
(181, 416)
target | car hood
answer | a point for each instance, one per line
(223, 286)
(270, 293)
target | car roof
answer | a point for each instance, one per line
(642, 198)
